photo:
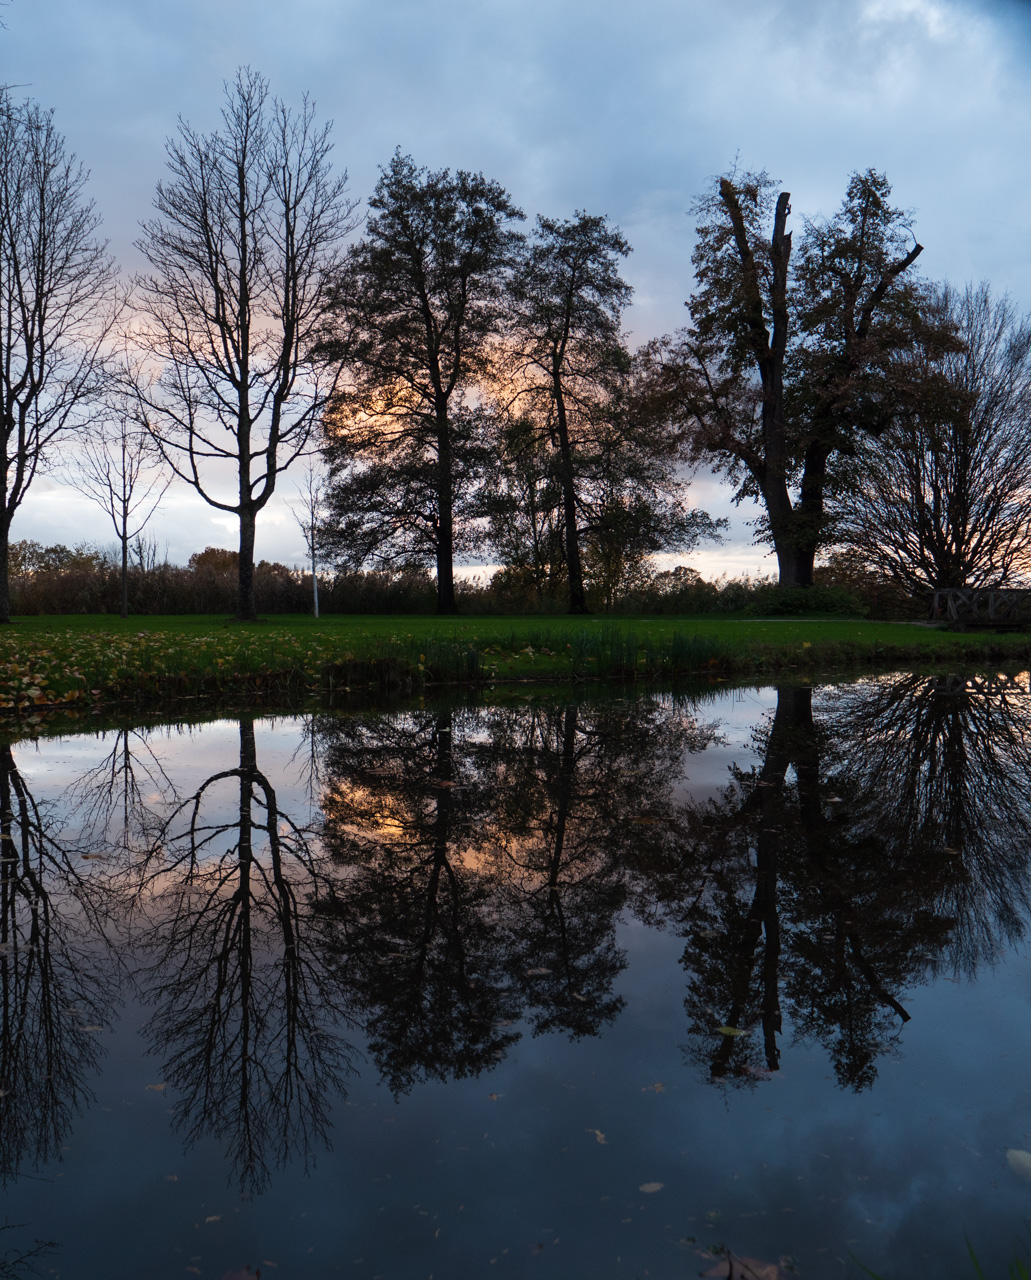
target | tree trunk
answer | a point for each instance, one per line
(125, 572)
(574, 568)
(5, 584)
(246, 610)
(445, 520)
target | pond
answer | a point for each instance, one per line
(552, 985)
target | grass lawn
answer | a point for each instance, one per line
(70, 659)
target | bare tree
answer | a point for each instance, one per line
(58, 301)
(942, 499)
(309, 514)
(248, 233)
(115, 468)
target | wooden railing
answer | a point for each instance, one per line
(983, 606)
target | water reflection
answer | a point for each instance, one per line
(486, 866)
(248, 1014)
(461, 883)
(56, 983)
(877, 842)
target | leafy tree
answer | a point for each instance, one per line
(382, 504)
(58, 300)
(521, 501)
(941, 499)
(569, 359)
(247, 237)
(786, 366)
(630, 502)
(214, 560)
(418, 306)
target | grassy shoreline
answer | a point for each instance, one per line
(85, 660)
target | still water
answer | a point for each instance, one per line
(548, 987)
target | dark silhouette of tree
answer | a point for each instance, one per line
(484, 870)
(881, 839)
(943, 763)
(415, 929)
(569, 354)
(56, 978)
(248, 1018)
(940, 500)
(58, 302)
(418, 306)
(787, 365)
(114, 799)
(116, 468)
(248, 233)
(579, 794)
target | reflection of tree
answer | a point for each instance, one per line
(864, 848)
(580, 795)
(416, 932)
(16, 1261)
(247, 1013)
(943, 765)
(54, 995)
(114, 799)
(487, 858)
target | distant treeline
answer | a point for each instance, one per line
(86, 579)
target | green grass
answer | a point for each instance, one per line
(94, 659)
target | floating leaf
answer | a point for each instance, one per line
(537, 973)
(735, 1265)
(731, 1031)
(659, 1087)
(158, 1088)
(650, 1187)
(1019, 1162)
(171, 1177)
(599, 1137)
(215, 1217)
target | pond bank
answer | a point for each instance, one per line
(78, 662)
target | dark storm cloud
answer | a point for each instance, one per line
(616, 109)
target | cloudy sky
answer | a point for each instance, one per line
(620, 109)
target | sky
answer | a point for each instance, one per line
(624, 110)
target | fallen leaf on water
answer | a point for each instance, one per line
(599, 1137)
(537, 973)
(493, 1096)
(94, 857)
(658, 1087)
(731, 1031)
(1019, 1162)
(158, 1087)
(93, 1028)
(171, 1177)
(746, 1269)
(215, 1217)
(649, 1187)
